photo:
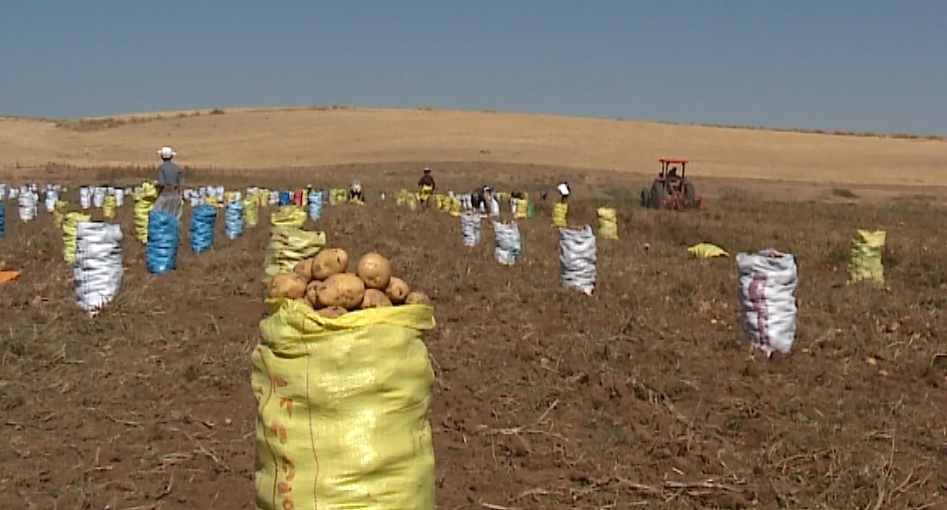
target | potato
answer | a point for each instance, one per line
(345, 290)
(397, 290)
(374, 298)
(289, 285)
(304, 268)
(417, 298)
(332, 312)
(329, 262)
(312, 292)
(374, 270)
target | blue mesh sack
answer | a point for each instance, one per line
(315, 205)
(202, 227)
(285, 198)
(233, 219)
(161, 252)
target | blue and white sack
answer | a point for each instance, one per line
(161, 252)
(203, 220)
(233, 219)
(315, 205)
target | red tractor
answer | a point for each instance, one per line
(672, 191)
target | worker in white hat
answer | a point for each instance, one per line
(169, 184)
(564, 191)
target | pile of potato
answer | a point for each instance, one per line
(323, 284)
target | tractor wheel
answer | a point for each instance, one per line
(689, 194)
(658, 194)
(645, 198)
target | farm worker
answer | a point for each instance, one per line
(426, 183)
(169, 184)
(564, 191)
(355, 192)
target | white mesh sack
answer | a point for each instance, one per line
(577, 258)
(470, 228)
(50, 201)
(508, 242)
(26, 203)
(98, 197)
(768, 306)
(98, 269)
(85, 197)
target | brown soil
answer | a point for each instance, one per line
(644, 394)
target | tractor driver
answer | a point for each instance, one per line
(672, 177)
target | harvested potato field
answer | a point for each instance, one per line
(645, 394)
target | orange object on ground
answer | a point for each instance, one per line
(8, 276)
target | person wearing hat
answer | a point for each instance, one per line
(355, 192)
(564, 191)
(169, 184)
(427, 185)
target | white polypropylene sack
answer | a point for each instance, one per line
(767, 283)
(494, 207)
(27, 204)
(98, 197)
(119, 197)
(50, 202)
(577, 257)
(508, 242)
(98, 270)
(85, 198)
(274, 197)
(3, 190)
(470, 228)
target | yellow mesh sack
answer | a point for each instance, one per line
(866, 264)
(607, 222)
(560, 215)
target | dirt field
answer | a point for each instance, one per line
(281, 138)
(644, 395)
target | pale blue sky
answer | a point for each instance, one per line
(863, 65)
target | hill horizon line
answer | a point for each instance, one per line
(91, 123)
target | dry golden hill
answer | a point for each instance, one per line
(281, 137)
